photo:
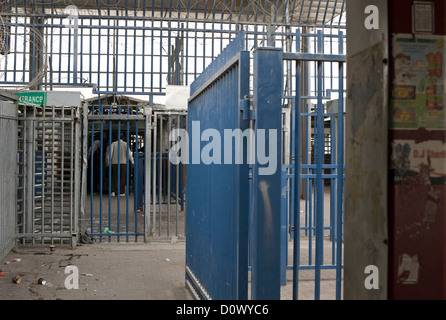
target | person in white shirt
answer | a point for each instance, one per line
(119, 166)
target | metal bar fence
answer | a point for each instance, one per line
(49, 137)
(312, 204)
(115, 164)
(8, 165)
(108, 51)
(168, 186)
(320, 166)
(217, 233)
(110, 211)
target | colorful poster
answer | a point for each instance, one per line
(418, 98)
(421, 163)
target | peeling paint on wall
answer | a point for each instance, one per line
(408, 269)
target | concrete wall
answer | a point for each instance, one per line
(8, 165)
(365, 224)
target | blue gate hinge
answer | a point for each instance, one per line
(248, 114)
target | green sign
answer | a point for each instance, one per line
(32, 98)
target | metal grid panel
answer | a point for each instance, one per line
(48, 140)
(8, 147)
(319, 178)
(110, 215)
(150, 206)
(168, 213)
(217, 201)
(139, 47)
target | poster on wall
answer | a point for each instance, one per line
(419, 171)
(422, 163)
(418, 97)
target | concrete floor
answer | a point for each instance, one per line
(124, 271)
(169, 219)
(134, 270)
(121, 271)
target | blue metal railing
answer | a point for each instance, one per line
(102, 207)
(313, 171)
(110, 52)
(217, 219)
(320, 172)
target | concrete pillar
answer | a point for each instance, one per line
(365, 224)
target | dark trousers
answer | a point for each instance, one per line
(122, 174)
(96, 171)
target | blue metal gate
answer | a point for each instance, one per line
(313, 193)
(217, 201)
(114, 155)
(298, 203)
(143, 198)
(266, 184)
